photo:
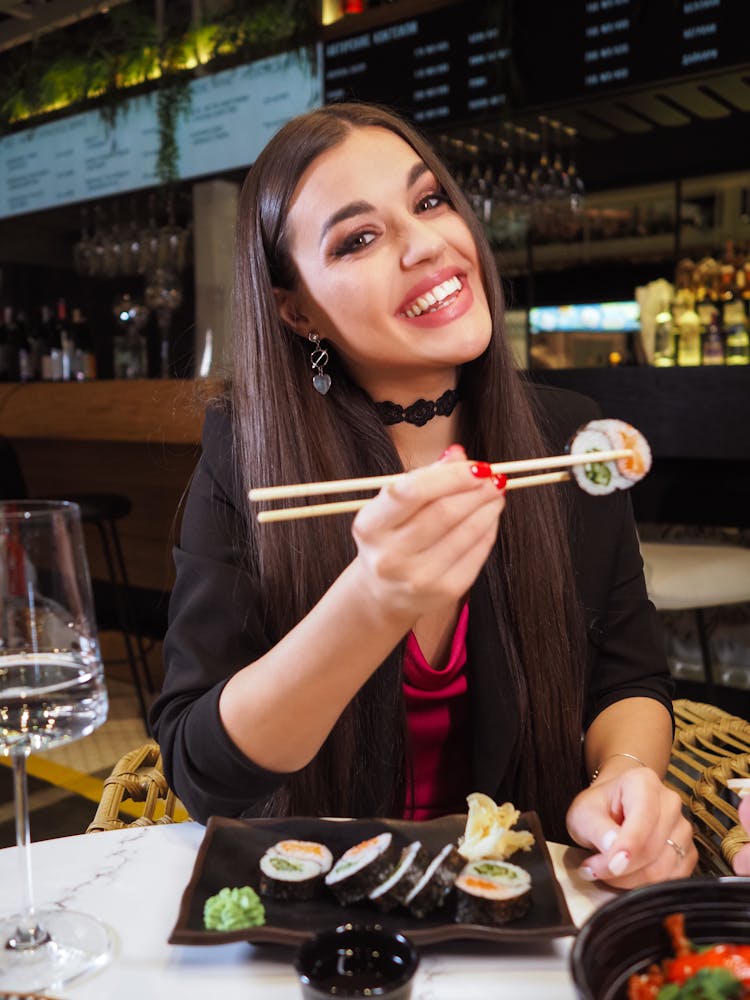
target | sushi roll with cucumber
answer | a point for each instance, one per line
(595, 477)
(394, 889)
(304, 850)
(364, 866)
(435, 885)
(492, 892)
(289, 878)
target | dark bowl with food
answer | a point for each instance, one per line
(357, 960)
(627, 934)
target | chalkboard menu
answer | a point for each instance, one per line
(584, 48)
(446, 64)
(463, 61)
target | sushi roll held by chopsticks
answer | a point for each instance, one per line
(601, 477)
(620, 457)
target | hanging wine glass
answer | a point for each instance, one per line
(83, 249)
(52, 691)
(112, 259)
(172, 248)
(149, 240)
(98, 248)
(163, 295)
(131, 244)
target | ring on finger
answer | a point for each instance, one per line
(676, 847)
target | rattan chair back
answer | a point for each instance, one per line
(710, 748)
(137, 790)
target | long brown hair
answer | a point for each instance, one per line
(286, 432)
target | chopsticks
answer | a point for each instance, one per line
(377, 482)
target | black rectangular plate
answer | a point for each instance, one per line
(231, 850)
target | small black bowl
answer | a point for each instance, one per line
(627, 934)
(357, 960)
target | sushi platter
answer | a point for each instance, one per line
(235, 852)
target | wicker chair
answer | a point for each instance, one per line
(710, 748)
(137, 778)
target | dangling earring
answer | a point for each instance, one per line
(318, 358)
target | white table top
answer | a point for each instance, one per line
(133, 880)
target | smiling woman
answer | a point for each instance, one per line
(445, 641)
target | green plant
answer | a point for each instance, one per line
(99, 62)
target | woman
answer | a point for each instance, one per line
(447, 640)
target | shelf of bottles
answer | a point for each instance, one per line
(705, 314)
(131, 270)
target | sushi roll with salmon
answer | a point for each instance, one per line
(492, 893)
(632, 468)
(304, 850)
(435, 885)
(364, 866)
(289, 878)
(394, 889)
(599, 478)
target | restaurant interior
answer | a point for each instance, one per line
(599, 166)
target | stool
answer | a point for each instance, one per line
(102, 510)
(685, 576)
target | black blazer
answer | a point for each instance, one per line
(215, 629)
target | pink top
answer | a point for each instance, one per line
(437, 711)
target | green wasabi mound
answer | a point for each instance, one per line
(233, 910)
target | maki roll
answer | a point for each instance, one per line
(492, 892)
(435, 885)
(631, 468)
(289, 878)
(596, 478)
(304, 850)
(394, 889)
(360, 869)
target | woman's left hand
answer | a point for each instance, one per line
(636, 828)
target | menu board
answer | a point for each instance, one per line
(587, 47)
(232, 115)
(469, 59)
(446, 64)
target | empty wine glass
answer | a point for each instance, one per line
(52, 691)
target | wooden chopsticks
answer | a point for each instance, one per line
(377, 482)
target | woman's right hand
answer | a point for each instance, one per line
(423, 540)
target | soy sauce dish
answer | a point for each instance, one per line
(627, 934)
(357, 961)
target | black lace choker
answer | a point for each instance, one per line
(420, 411)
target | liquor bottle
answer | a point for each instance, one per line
(713, 342)
(736, 337)
(689, 333)
(51, 348)
(20, 356)
(665, 343)
(727, 272)
(684, 317)
(84, 359)
(67, 344)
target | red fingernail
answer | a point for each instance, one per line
(499, 481)
(481, 470)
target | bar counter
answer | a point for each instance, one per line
(161, 411)
(138, 438)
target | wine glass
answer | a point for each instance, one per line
(51, 691)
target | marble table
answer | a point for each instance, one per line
(133, 880)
